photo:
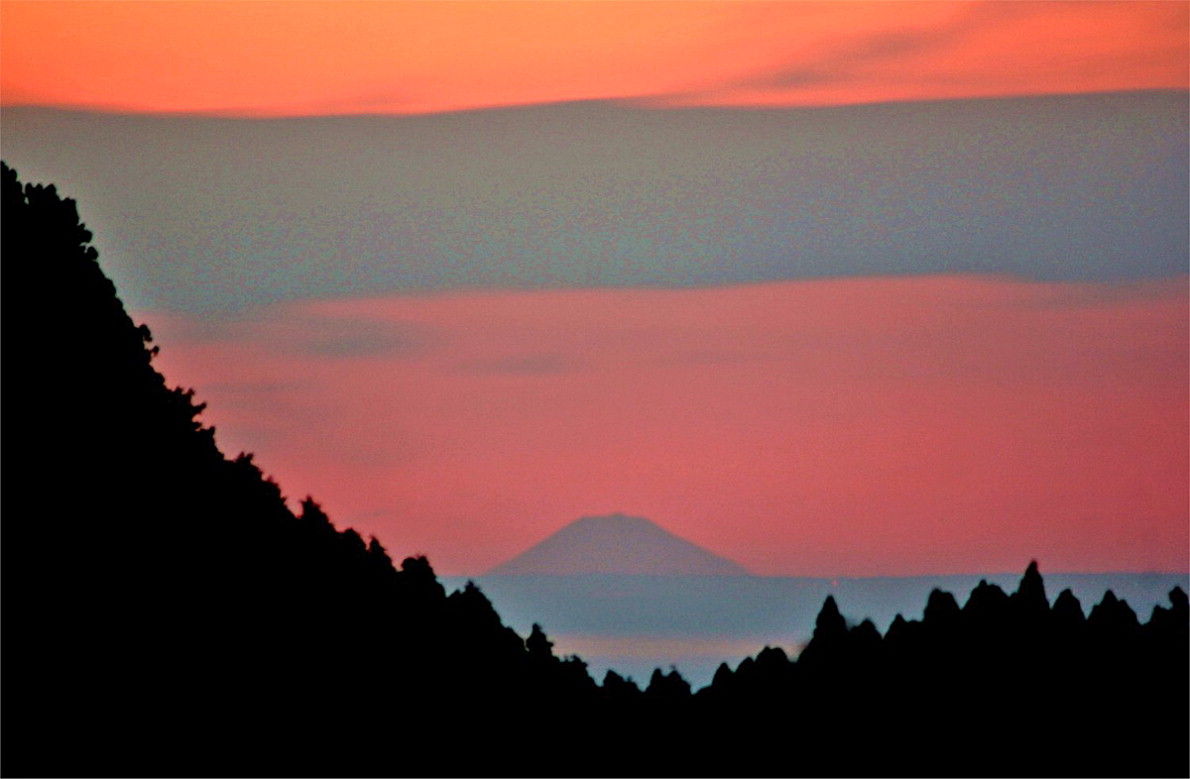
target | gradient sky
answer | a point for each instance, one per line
(716, 264)
(287, 58)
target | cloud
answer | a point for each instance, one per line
(594, 195)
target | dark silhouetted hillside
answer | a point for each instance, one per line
(165, 613)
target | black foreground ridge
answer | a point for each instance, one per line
(165, 614)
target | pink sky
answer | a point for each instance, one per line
(837, 427)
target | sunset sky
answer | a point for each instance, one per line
(832, 288)
(311, 58)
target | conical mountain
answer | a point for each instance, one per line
(617, 544)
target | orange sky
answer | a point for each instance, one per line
(265, 58)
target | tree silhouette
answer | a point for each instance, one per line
(168, 598)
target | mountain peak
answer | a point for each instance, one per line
(617, 519)
(617, 544)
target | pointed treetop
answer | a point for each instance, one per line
(1177, 596)
(417, 573)
(1112, 613)
(829, 621)
(897, 628)
(1031, 592)
(866, 631)
(377, 550)
(940, 607)
(537, 643)
(668, 686)
(985, 597)
(418, 566)
(614, 683)
(312, 513)
(772, 656)
(1068, 609)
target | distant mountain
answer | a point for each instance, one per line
(617, 544)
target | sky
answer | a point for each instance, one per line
(828, 288)
(314, 58)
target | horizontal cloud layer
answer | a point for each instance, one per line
(207, 214)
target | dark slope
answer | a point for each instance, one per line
(164, 611)
(616, 544)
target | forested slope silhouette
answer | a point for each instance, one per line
(164, 610)
(166, 613)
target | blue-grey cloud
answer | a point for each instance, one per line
(203, 214)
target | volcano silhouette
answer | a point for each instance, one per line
(617, 544)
